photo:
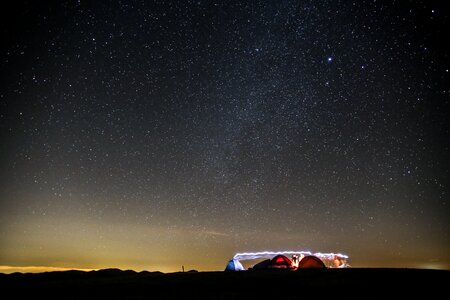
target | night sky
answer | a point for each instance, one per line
(151, 136)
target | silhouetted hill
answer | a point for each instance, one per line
(112, 273)
(352, 283)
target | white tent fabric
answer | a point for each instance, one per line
(234, 265)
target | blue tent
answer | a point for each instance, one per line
(234, 265)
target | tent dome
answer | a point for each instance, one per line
(262, 265)
(281, 262)
(311, 262)
(234, 265)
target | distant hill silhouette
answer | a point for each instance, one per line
(129, 284)
(112, 272)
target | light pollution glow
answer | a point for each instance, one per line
(34, 243)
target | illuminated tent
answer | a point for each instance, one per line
(280, 262)
(234, 265)
(311, 262)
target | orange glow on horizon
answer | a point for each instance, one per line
(37, 269)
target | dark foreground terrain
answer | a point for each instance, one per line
(353, 283)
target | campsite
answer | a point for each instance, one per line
(354, 283)
(253, 275)
(267, 260)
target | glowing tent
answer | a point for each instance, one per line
(234, 265)
(280, 262)
(277, 262)
(311, 262)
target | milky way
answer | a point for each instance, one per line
(154, 135)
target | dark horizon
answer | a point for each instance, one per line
(345, 283)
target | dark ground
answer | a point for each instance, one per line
(352, 283)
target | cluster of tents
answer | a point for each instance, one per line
(280, 261)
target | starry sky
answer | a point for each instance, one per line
(154, 135)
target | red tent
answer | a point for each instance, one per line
(281, 262)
